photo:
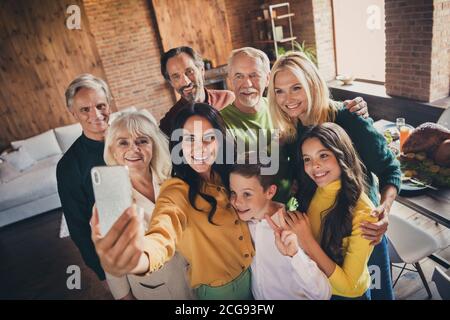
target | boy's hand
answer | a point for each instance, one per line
(286, 241)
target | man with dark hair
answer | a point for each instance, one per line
(184, 69)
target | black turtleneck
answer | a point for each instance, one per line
(77, 196)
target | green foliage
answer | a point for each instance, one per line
(308, 51)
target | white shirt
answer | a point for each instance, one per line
(279, 277)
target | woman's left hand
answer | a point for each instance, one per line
(375, 231)
(358, 106)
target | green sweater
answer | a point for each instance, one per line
(246, 128)
(372, 149)
(73, 175)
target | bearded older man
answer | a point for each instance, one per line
(184, 69)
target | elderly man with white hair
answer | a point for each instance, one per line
(248, 115)
(88, 99)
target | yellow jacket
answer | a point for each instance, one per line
(217, 254)
(352, 279)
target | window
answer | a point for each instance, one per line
(360, 38)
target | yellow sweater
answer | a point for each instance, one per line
(217, 254)
(351, 279)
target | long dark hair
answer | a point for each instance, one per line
(336, 220)
(184, 171)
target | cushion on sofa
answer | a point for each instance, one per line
(41, 146)
(67, 135)
(35, 183)
(19, 159)
(8, 172)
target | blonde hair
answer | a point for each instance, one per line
(320, 108)
(141, 123)
(251, 52)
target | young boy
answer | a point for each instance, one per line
(280, 268)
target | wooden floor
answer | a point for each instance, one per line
(34, 261)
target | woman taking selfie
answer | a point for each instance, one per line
(192, 216)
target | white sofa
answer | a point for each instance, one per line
(33, 191)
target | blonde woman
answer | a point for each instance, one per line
(134, 140)
(299, 97)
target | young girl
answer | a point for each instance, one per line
(299, 97)
(332, 188)
(274, 275)
(192, 215)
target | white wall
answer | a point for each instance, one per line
(360, 38)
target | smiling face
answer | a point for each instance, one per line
(132, 151)
(249, 198)
(320, 163)
(91, 109)
(199, 145)
(248, 81)
(186, 77)
(289, 94)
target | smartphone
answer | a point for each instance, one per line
(113, 194)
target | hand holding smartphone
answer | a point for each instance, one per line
(113, 194)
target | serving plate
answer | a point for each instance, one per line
(409, 189)
(393, 129)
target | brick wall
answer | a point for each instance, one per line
(324, 36)
(239, 22)
(417, 49)
(440, 53)
(313, 23)
(129, 49)
(303, 22)
(408, 48)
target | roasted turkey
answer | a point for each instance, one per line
(432, 139)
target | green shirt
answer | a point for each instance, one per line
(246, 126)
(249, 129)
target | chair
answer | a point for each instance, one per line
(444, 119)
(442, 281)
(409, 244)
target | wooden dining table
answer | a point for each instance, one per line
(432, 203)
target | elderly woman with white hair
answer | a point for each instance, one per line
(134, 140)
